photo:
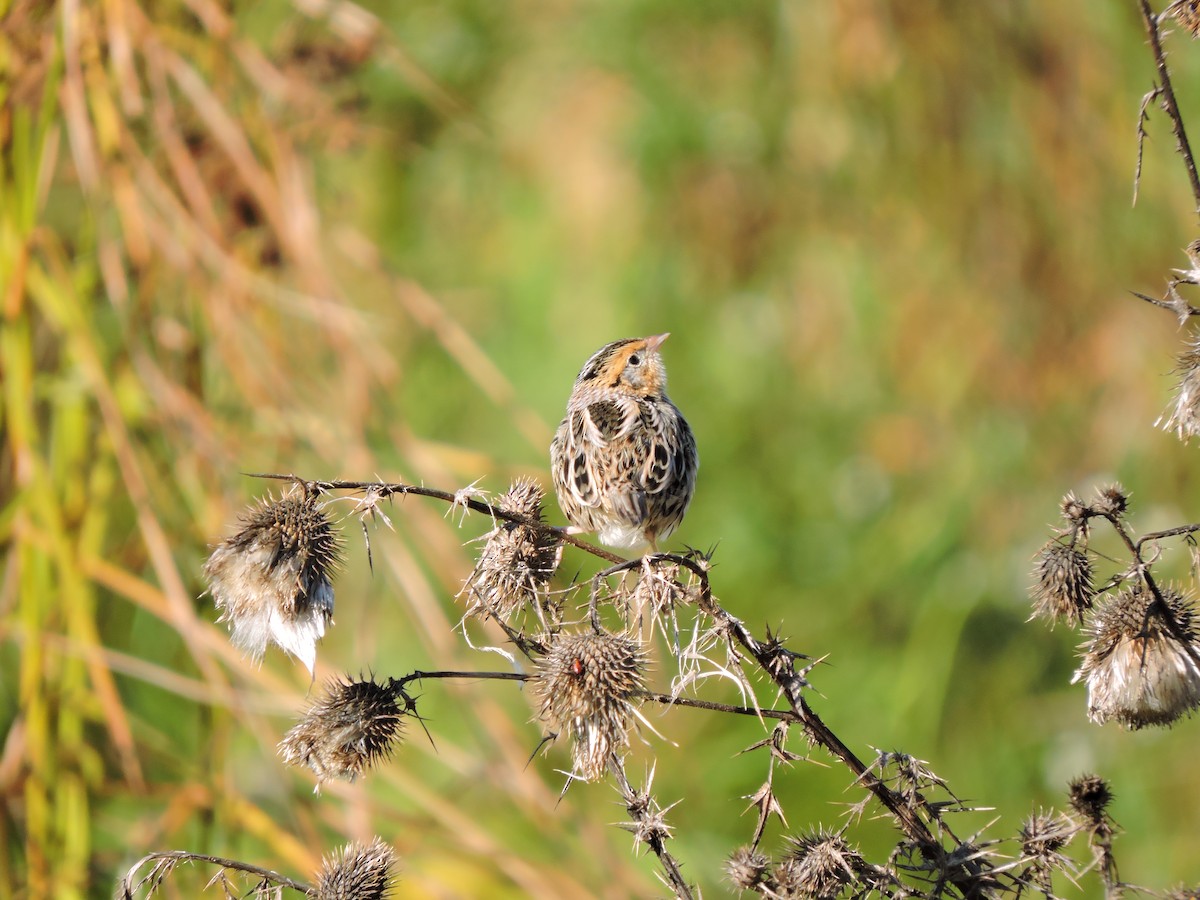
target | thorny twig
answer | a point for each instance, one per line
(1165, 92)
(1143, 117)
(384, 490)
(127, 890)
(1169, 104)
(653, 696)
(1174, 302)
(649, 826)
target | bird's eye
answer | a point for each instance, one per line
(635, 360)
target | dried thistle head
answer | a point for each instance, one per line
(1183, 416)
(1111, 500)
(586, 685)
(821, 865)
(911, 778)
(1062, 587)
(788, 882)
(354, 726)
(358, 872)
(1137, 671)
(271, 580)
(517, 561)
(1089, 796)
(1045, 833)
(658, 591)
(1075, 512)
(747, 869)
(1043, 836)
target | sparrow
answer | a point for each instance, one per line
(624, 458)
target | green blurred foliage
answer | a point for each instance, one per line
(893, 243)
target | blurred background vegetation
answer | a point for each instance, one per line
(893, 242)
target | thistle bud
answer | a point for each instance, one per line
(1089, 796)
(1062, 587)
(271, 580)
(1112, 500)
(823, 864)
(1074, 510)
(747, 868)
(1043, 836)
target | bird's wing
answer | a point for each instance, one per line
(600, 447)
(669, 448)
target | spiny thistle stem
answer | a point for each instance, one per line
(1162, 535)
(649, 827)
(478, 676)
(384, 490)
(127, 889)
(784, 715)
(1170, 106)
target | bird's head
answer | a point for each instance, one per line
(632, 366)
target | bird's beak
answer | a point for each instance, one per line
(655, 341)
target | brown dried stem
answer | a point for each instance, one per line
(1143, 117)
(384, 490)
(653, 696)
(1173, 301)
(649, 827)
(127, 890)
(1169, 104)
